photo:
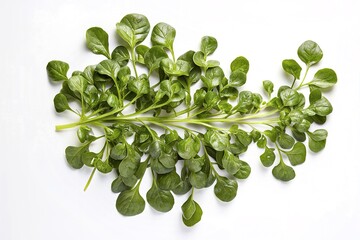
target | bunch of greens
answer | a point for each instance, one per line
(186, 138)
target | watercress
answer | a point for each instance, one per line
(205, 121)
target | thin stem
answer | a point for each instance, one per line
(133, 61)
(292, 85)
(279, 151)
(302, 81)
(90, 178)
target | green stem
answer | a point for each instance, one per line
(302, 81)
(90, 178)
(133, 61)
(279, 151)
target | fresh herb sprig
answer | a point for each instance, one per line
(218, 121)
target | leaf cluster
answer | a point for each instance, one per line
(218, 120)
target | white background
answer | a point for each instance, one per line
(41, 197)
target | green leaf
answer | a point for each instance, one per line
(83, 133)
(103, 167)
(130, 202)
(188, 147)
(97, 40)
(88, 158)
(141, 50)
(321, 107)
(109, 68)
(160, 200)
(195, 164)
(130, 163)
(121, 55)
(153, 57)
(78, 84)
(244, 170)
(310, 53)
(163, 34)
(315, 95)
(188, 208)
(217, 140)
(297, 155)
(291, 67)
(237, 78)
(317, 140)
(208, 45)
(180, 68)
(113, 101)
(213, 77)
(57, 70)
(140, 85)
(61, 103)
(192, 213)
(268, 157)
(318, 135)
(118, 152)
(168, 181)
(290, 97)
(229, 92)
(74, 154)
(240, 63)
(133, 29)
(225, 189)
(324, 78)
(283, 172)
(285, 140)
(316, 146)
(198, 179)
(230, 162)
(118, 185)
(268, 86)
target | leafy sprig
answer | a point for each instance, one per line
(218, 121)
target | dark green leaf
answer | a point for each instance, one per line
(121, 55)
(109, 68)
(139, 85)
(225, 189)
(61, 103)
(192, 213)
(292, 67)
(130, 202)
(73, 155)
(297, 155)
(310, 53)
(133, 29)
(268, 157)
(285, 140)
(97, 40)
(198, 179)
(118, 152)
(188, 147)
(153, 57)
(57, 70)
(161, 200)
(163, 34)
(290, 97)
(168, 181)
(283, 172)
(244, 170)
(103, 167)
